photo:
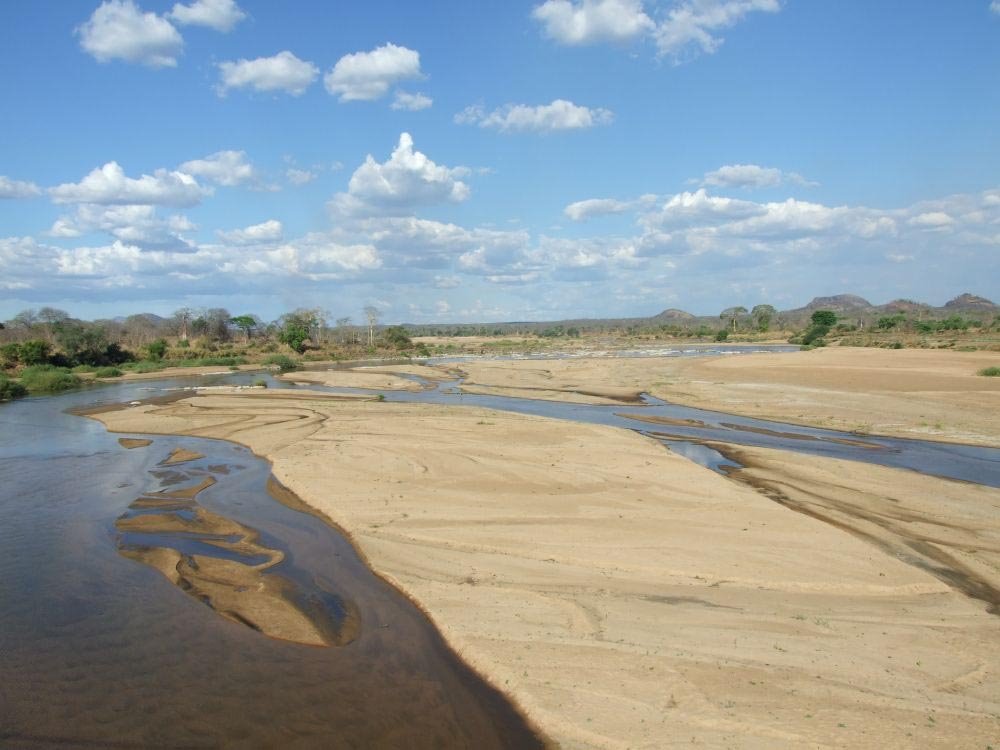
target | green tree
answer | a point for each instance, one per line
(296, 328)
(762, 316)
(824, 318)
(396, 336)
(732, 314)
(245, 323)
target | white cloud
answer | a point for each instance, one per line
(137, 224)
(221, 15)
(406, 180)
(411, 102)
(118, 30)
(16, 189)
(583, 210)
(936, 220)
(559, 115)
(700, 208)
(689, 27)
(752, 176)
(282, 72)
(109, 185)
(268, 231)
(299, 176)
(589, 21)
(995, 6)
(223, 168)
(366, 76)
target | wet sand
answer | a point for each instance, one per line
(626, 597)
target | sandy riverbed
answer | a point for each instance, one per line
(931, 394)
(626, 597)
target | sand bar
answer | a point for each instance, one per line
(622, 595)
(929, 394)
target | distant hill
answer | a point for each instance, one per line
(673, 314)
(971, 302)
(837, 303)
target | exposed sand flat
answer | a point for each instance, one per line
(576, 380)
(625, 596)
(919, 393)
(357, 378)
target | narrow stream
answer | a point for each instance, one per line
(97, 650)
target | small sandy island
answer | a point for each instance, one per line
(625, 597)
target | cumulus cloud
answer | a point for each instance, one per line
(223, 168)
(701, 209)
(137, 224)
(408, 179)
(690, 28)
(411, 102)
(559, 115)
(282, 72)
(590, 21)
(221, 15)
(583, 210)
(268, 231)
(366, 76)
(108, 185)
(752, 176)
(16, 189)
(118, 30)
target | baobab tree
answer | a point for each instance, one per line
(371, 315)
(733, 314)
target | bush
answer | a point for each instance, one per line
(10, 389)
(157, 349)
(48, 379)
(990, 372)
(10, 355)
(814, 334)
(722, 335)
(144, 366)
(285, 364)
(33, 352)
(107, 372)
(260, 383)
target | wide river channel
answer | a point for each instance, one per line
(98, 650)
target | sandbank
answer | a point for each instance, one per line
(917, 393)
(625, 597)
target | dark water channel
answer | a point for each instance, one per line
(97, 650)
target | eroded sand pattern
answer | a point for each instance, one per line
(223, 564)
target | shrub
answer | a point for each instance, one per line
(260, 383)
(10, 389)
(33, 352)
(722, 335)
(157, 349)
(48, 379)
(814, 334)
(284, 363)
(824, 318)
(990, 372)
(10, 355)
(144, 366)
(108, 372)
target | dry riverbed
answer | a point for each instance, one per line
(625, 597)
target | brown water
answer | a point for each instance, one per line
(99, 650)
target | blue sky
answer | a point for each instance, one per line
(457, 161)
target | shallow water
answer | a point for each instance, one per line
(97, 650)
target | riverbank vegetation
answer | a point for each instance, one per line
(73, 352)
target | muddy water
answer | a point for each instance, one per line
(98, 650)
